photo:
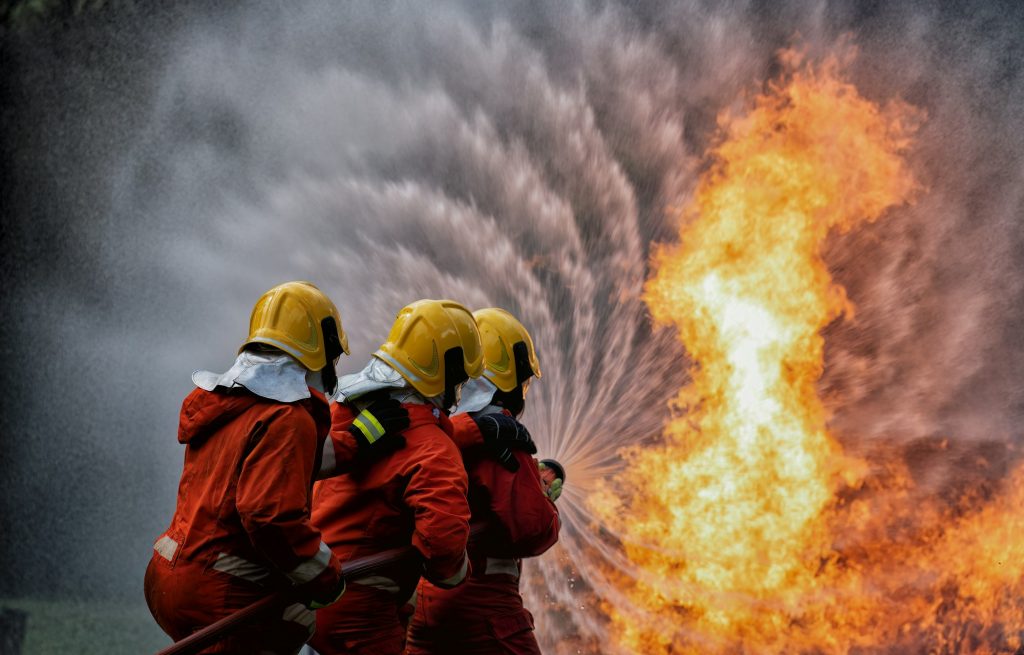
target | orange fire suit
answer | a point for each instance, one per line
(485, 615)
(414, 495)
(242, 528)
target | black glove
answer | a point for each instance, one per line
(376, 428)
(502, 435)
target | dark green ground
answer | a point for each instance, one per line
(87, 628)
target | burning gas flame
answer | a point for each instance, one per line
(743, 528)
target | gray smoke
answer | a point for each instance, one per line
(524, 155)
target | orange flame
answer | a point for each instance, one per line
(730, 524)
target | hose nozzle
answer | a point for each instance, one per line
(557, 470)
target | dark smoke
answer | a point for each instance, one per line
(165, 166)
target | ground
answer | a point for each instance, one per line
(60, 627)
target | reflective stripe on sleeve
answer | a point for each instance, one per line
(166, 547)
(312, 567)
(379, 582)
(458, 577)
(500, 565)
(370, 427)
(299, 613)
(241, 568)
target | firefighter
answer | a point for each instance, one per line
(514, 496)
(414, 495)
(254, 439)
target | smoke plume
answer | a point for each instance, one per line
(526, 155)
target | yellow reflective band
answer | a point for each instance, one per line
(364, 428)
(376, 424)
(372, 432)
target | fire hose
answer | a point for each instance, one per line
(276, 602)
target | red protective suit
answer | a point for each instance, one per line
(415, 495)
(486, 614)
(242, 527)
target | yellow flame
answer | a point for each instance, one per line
(746, 529)
(726, 522)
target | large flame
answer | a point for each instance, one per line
(732, 524)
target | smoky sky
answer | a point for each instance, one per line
(165, 166)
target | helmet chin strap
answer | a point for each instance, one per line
(333, 349)
(449, 399)
(454, 377)
(329, 379)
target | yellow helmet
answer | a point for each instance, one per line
(469, 337)
(297, 318)
(509, 356)
(435, 345)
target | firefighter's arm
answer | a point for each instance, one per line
(272, 500)
(465, 433)
(518, 503)
(436, 493)
(359, 438)
(499, 435)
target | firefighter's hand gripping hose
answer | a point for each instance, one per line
(376, 428)
(503, 434)
(552, 476)
(329, 598)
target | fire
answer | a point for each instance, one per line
(747, 529)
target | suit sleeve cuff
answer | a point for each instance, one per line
(455, 578)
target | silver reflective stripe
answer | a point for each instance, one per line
(299, 613)
(505, 566)
(312, 567)
(166, 547)
(379, 582)
(241, 568)
(458, 577)
(294, 352)
(390, 361)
